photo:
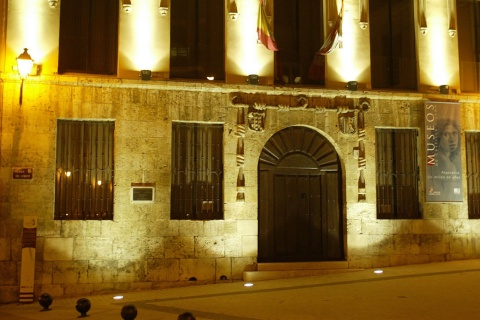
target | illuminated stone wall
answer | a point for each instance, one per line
(142, 248)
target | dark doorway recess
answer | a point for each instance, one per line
(300, 198)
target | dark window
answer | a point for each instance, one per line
(299, 34)
(197, 39)
(472, 143)
(88, 36)
(468, 12)
(197, 171)
(392, 44)
(397, 174)
(84, 170)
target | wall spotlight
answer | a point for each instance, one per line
(53, 3)
(233, 11)
(145, 74)
(444, 89)
(363, 16)
(252, 79)
(163, 7)
(352, 85)
(127, 6)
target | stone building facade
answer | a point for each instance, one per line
(142, 247)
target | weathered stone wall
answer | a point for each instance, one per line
(142, 248)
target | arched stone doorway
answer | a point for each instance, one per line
(300, 198)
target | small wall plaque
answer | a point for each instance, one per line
(142, 192)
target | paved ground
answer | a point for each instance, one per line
(449, 290)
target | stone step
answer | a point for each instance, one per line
(284, 270)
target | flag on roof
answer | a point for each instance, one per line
(264, 29)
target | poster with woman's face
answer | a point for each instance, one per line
(443, 152)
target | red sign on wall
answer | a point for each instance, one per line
(22, 173)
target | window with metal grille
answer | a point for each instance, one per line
(472, 144)
(84, 170)
(397, 174)
(197, 171)
(88, 36)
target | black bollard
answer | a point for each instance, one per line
(129, 312)
(82, 306)
(45, 301)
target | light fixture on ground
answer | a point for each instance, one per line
(24, 66)
(252, 79)
(145, 74)
(444, 89)
(352, 85)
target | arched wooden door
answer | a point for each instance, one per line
(300, 198)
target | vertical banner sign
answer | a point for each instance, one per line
(27, 272)
(443, 152)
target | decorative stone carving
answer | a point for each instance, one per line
(240, 154)
(256, 117)
(363, 106)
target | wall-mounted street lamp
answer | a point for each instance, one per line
(24, 66)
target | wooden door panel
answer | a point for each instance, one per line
(300, 199)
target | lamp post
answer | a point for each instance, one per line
(24, 65)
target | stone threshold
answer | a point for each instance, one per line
(284, 270)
